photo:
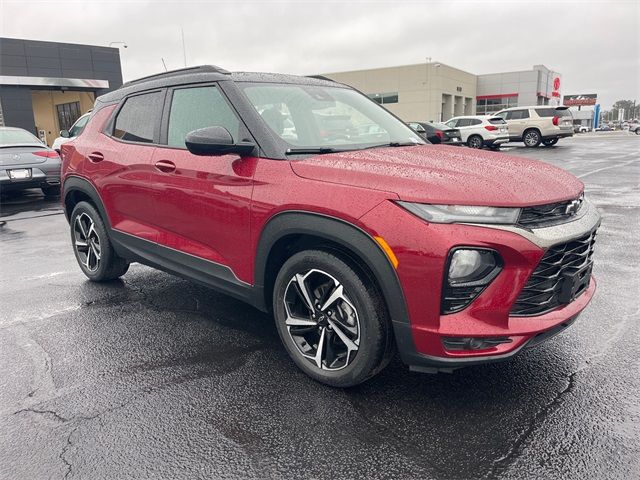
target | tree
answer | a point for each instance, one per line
(631, 110)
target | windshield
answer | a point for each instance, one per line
(10, 137)
(77, 127)
(328, 118)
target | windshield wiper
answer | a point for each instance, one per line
(394, 144)
(318, 150)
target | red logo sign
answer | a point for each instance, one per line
(556, 83)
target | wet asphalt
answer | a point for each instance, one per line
(156, 377)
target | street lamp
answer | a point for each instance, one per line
(124, 45)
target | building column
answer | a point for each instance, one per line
(17, 109)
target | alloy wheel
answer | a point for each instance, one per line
(86, 242)
(321, 320)
(475, 142)
(531, 139)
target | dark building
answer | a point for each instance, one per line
(46, 86)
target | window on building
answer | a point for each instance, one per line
(138, 118)
(382, 98)
(200, 107)
(485, 106)
(68, 113)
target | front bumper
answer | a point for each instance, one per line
(421, 269)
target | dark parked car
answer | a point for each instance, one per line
(437, 132)
(26, 162)
(356, 244)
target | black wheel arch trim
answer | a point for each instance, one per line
(352, 238)
(76, 183)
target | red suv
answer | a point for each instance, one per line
(361, 239)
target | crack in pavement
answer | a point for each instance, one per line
(498, 466)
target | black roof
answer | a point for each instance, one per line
(207, 73)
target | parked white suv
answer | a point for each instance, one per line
(481, 130)
(541, 124)
(73, 132)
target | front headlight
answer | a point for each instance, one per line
(463, 213)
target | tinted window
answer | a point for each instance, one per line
(138, 117)
(200, 107)
(518, 114)
(451, 123)
(552, 112)
(464, 122)
(497, 121)
(475, 121)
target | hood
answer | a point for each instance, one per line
(445, 175)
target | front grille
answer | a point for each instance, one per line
(562, 275)
(550, 214)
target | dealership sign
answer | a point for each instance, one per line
(579, 100)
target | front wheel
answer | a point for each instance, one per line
(92, 247)
(550, 142)
(531, 138)
(331, 319)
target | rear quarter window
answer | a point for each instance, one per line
(553, 112)
(139, 117)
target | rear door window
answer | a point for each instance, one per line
(474, 121)
(518, 114)
(139, 118)
(199, 107)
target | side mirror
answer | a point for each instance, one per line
(64, 133)
(215, 141)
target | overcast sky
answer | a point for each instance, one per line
(593, 44)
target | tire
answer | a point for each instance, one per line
(550, 142)
(51, 191)
(475, 141)
(531, 138)
(97, 258)
(638, 131)
(357, 313)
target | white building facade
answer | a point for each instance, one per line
(433, 91)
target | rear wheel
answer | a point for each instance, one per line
(550, 142)
(531, 138)
(92, 247)
(331, 319)
(475, 141)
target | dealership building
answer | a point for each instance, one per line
(46, 86)
(434, 91)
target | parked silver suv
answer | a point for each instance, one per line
(540, 124)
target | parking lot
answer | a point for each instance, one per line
(154, 376)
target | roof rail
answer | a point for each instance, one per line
(321, 77)
(178, 72)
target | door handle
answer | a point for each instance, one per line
(165, 166)
(95, 157)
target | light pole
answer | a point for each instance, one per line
(428, 85)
